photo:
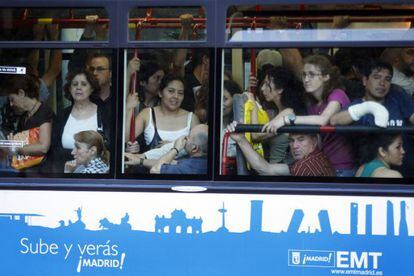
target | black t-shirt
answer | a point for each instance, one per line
(191, 82)
(43, 115)
(106, 107)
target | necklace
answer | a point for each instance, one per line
(31, 112)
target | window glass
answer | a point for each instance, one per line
(56, 111)
(349, 91)
(166, 111)
(167, 23)
(319, 23)
(53, 24)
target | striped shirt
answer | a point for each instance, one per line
(315, 164)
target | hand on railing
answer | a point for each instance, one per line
(133, 66)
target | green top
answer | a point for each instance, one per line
(370, 167)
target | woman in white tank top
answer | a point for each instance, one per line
(170, 121)
(80, 116)
(83, 113)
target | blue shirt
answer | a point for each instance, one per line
(192, 165)
(400, 107)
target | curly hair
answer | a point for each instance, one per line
(293, 92)
(326, 68)
(89, 77)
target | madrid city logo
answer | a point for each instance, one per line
(338, 259)
(315, 258)
(295, 257)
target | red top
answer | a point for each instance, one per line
(315, 164)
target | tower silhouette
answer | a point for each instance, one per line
(390, 219)
(354, 218)
(403, 221)
(256, 215)
(324, 222)
(368, 219)
(296, 221)
(223, 212)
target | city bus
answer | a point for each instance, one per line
(173, 138)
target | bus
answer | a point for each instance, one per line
(206, 137)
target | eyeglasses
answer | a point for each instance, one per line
(97, 69)
(310, 75)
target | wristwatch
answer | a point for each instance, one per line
(141, 161)
(291, 118)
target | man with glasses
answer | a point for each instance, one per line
(97, 62)
(100, 66)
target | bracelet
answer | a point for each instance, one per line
(174, 148)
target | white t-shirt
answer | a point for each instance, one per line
(407, 83)
(74, 126)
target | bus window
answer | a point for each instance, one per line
(167, 23)
(166, 111)
(38, 24)
(310, 23)
(306, 88)
(57, 106)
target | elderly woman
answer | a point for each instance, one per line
(82, 115)
(89, 153)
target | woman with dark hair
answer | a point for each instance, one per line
(89, 153)
(230, 88)
(324, 98)
(82, 115)
(379, 154)
(281, 90)
(149, 78)
(165, 122)
(34, 116)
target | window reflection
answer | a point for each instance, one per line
(319, 23)
(167, 23)
(53, 24)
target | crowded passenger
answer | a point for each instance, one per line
(165, 122)
(201, 103)
(82, 115)
(197, 73)
(308, 159)
(100, 65)
(149, 76)
(33, 115)
(89, 154)
(230, 89)
(196, 147)
(379, 93)
(351, 62)
(402, 61)
(380, 154)
(285, 95)
(324, 98)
